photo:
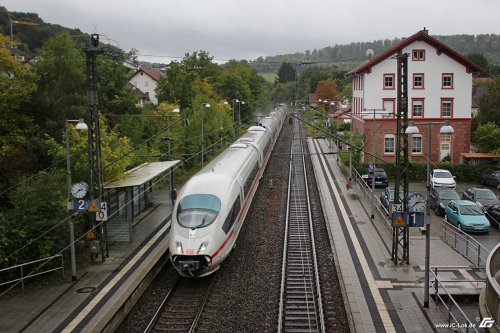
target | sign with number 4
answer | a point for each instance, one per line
(103, 214)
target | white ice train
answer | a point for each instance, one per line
(210, 208)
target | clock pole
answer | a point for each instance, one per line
(80, 126)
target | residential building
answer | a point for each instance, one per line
(439, 88)
(146, 80)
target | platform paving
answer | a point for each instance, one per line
(381, 296)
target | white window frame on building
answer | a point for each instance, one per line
(389, 81)
(418, 55)
(447, 81)
(389, 144)
(418, 81)
(448, 111)
(416, 144)
(417, 104)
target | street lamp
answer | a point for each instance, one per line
(205, 106)
(413, 129)
(80, 126)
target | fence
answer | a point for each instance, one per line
(492, 290)
(465, 244)
(456, 317)
(27, 272)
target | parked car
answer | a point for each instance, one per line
(491, 179)
(467, 216)
(483, 197)
(493, 214)
(442, 178)
(381, 179)
(439, 198)
(387, 197)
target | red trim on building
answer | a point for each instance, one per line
(417, 99)
(419, 36)
(452, 80)
(393, 100)
(389, 75)
(418, 55)
(446, 99)
(415, 75)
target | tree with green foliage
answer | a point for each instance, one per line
(487, 138)
(61, 85)
(489, 103)
(286, 73)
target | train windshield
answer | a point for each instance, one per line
(198, 210)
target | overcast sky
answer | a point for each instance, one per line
(236, 29)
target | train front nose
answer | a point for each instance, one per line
(191, 265)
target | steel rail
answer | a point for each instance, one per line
(181, 308)
(300, 297)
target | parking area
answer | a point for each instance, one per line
(489, 240)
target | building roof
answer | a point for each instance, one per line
(142, 174)
(153, 73)
(422, 35)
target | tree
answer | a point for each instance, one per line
(489, 103)
(286, 73)
(326, 90)
(487, 138)
(61, 85)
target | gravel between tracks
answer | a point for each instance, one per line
(245, 297)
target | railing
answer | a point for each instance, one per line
(367, 192)
(465, 244)
(492, 290)
(456, 317)
(32, 272)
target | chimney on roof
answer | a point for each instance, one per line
(425, 31)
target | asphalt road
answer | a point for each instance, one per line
(489, 240)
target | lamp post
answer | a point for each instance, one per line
(80, 126)
(204, 106)
(350, 145)
(413, 129)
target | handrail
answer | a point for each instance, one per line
(33, 272)
(464, 244)
(451, 304)
(492, 290)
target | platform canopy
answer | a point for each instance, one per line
(141, 174)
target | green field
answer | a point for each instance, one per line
(269, 77)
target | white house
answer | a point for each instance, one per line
(439, 89)
(146, 80)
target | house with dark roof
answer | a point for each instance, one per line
(439, 88)
(146, 80)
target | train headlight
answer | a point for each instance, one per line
(203, 248)
(178, 248)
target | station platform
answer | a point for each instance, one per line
(91, 302)
(380, 296)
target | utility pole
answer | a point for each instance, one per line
(401, 234)
(94, 138)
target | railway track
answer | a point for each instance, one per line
(182, 306)
(300, 308)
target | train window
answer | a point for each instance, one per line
(232, 216)
(198, 210)
(251, 178)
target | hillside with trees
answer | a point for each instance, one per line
(350, 55)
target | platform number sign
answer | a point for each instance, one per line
(396, 208)
(80, 205)
(102, 215)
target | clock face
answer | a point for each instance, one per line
(416, 202)
(79, 190)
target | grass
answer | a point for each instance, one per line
(269, 77)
